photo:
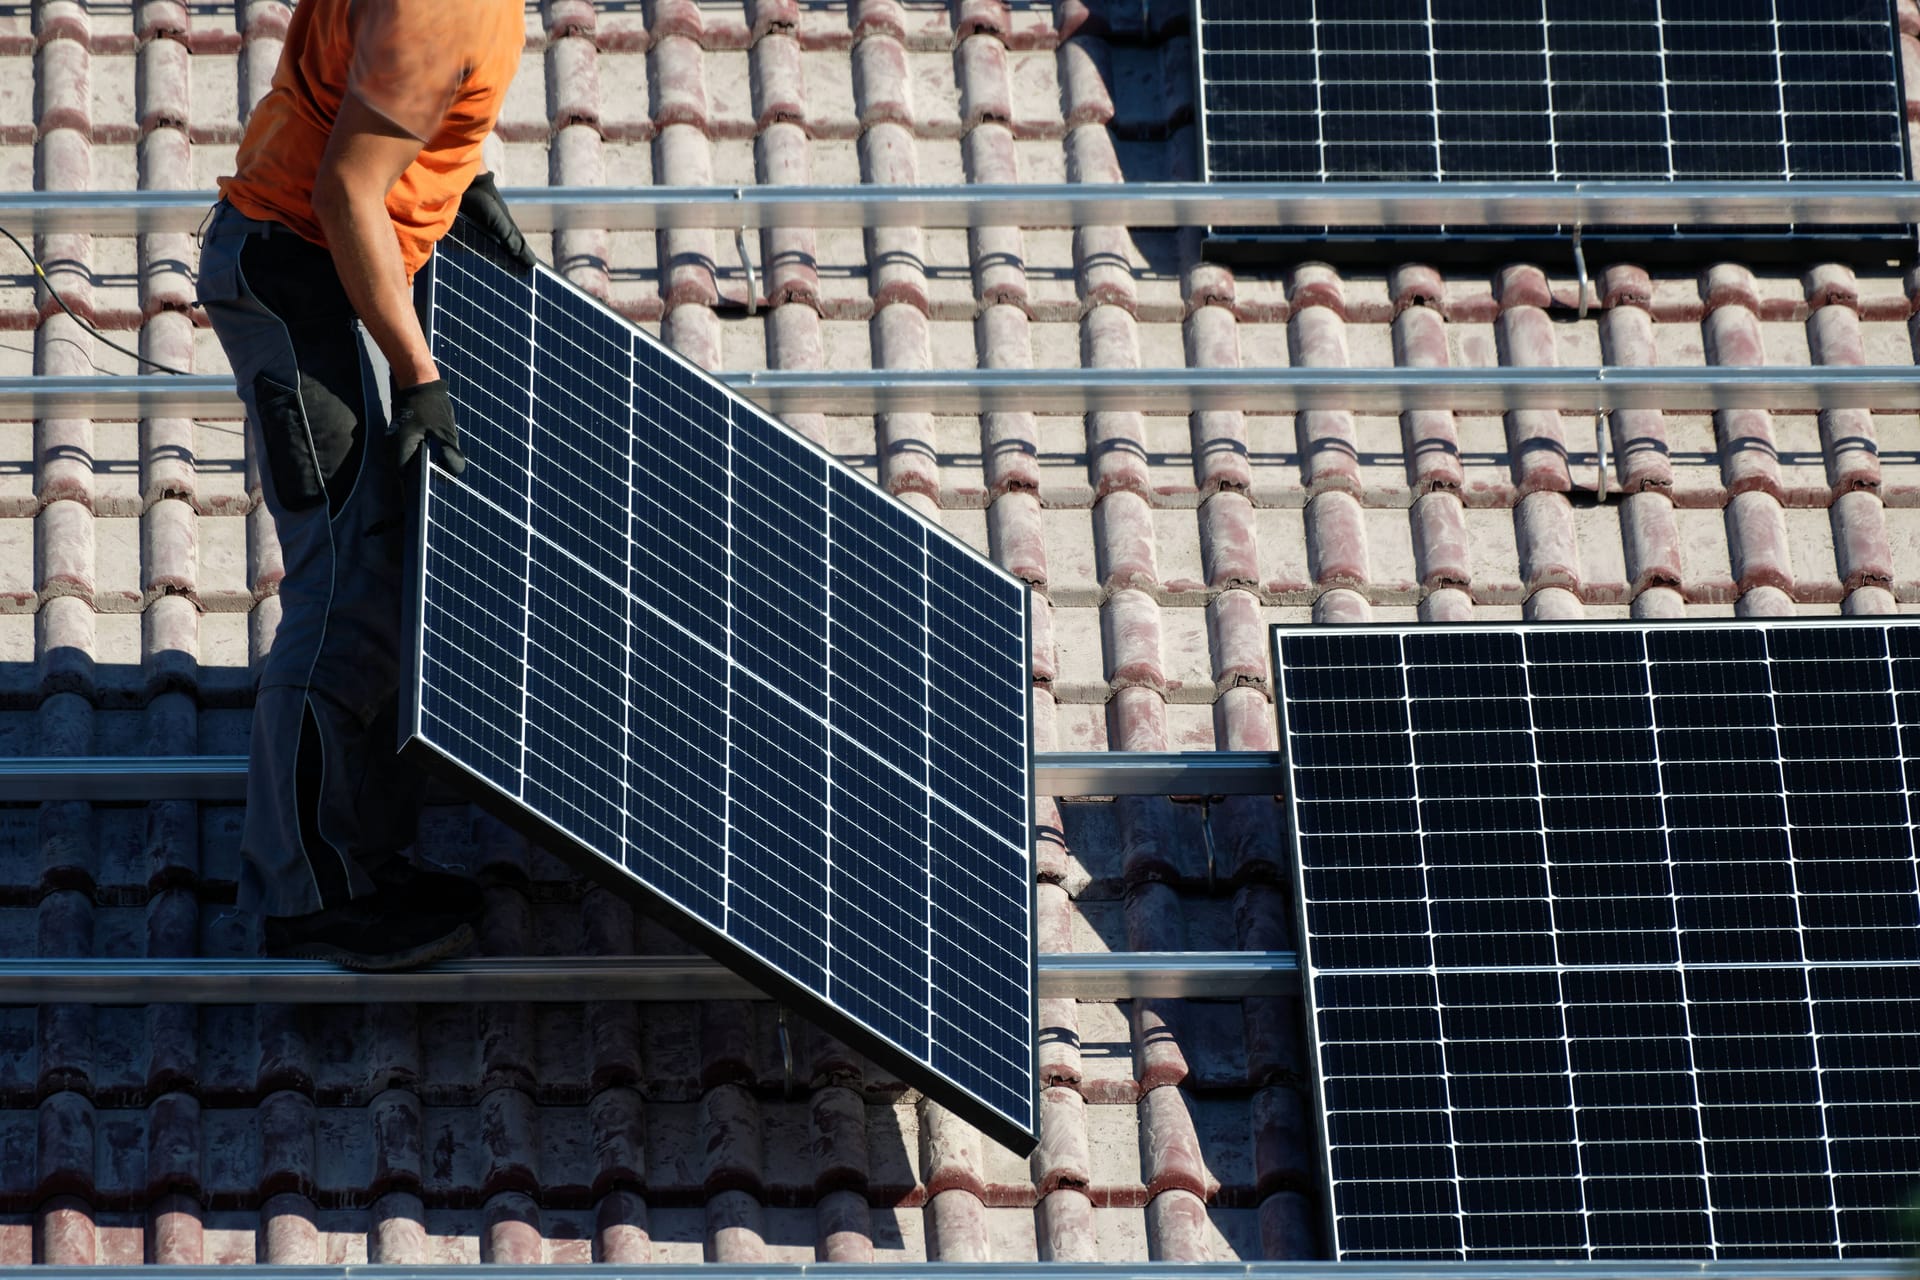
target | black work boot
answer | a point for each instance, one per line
(433, 892)
(378, 933)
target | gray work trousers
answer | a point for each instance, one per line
(327, 795)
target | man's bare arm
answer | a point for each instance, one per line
(365, 156)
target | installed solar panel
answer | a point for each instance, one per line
(1409, 90)
(685, 648)
(1550, 90)
(1611, 935)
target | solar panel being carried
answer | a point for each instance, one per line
(1611, 935)
(685, 648)
(1550, 90)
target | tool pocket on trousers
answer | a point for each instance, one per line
(218, 279)
(289, 445)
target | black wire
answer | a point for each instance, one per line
(41, 271)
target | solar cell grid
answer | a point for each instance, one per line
(1551, 90)
(1612, 935)
(1413, 90)
(688, 650)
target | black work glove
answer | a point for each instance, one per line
(483, 204)
(424, 412)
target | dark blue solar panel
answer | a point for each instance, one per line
(576, 660)
(473, 678)
(1551, 90)
(1612, 936)
(779, 607)
(779, 876)
(878, 711)
(975, 650)
(582, 431)
(779, 589)
(1412, 90)
(877, 865)
(978, 924)
(705, 661)
(484, 326)
(677, 768)
(983, 1028)
(679, 480)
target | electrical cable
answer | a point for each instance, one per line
(41, 272)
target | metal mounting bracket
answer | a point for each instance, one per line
(1580, 267)
(786, 1049)
(746, 262)
(1206, 838)
(1602, 438)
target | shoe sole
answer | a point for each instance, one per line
(440, 948)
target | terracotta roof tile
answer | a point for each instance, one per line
(137, 580)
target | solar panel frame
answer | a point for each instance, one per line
(1838, 969)
(1869, 245)
(433, 490)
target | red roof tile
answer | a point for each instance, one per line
(1162, 550)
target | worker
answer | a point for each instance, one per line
(352, 167)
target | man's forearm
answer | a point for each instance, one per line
(367, 258)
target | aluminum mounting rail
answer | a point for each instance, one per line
(1158, 773)
(1136, 204)
(1167, 390)
(1755, 1269)
(122, 779)
(1285, 390)
(1225, 975)
(136, 779)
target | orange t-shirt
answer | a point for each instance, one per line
(439, 69)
